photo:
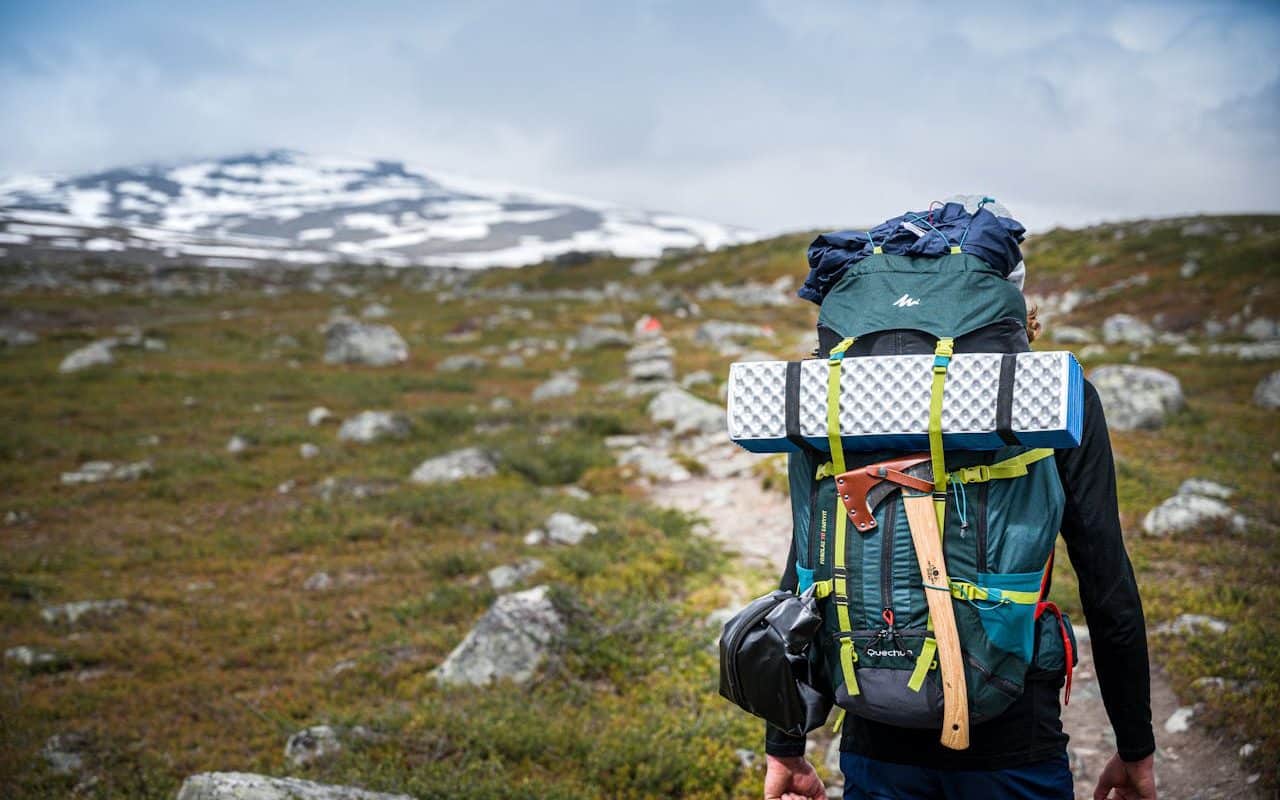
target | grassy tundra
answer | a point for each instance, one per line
(221, 652)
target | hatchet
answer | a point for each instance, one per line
(861, 490)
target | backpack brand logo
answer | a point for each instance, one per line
(895, 653)
(906, 301)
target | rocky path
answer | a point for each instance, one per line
(1190, 764)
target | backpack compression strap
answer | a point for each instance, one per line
(941, 361)
(839, 569)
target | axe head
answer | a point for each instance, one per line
(864, 488)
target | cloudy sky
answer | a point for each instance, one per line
(771, 114)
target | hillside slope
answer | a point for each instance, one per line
(275, 576)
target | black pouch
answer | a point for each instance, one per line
(766, 663)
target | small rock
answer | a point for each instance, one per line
(1179, 721)
(1189, 268)
(1091, 350)
(237, 444)
(375, 311)
(717, 333)
(318, 415)
(471, 462)
(1206, 488)
(350, 342)
(371, 426)
(1247, 749)
(1262, 329)
(287, 486)
(1186, 624)
(564, 384)
(1267, 393)
(63, 752)
(32, 658)
(576, 492)
(247, 786)
(318, 582)
(746, 758)
(1126, 329)
(1190, 513)
(307, 450)
(98, 471)
(697, 378)
(506, 576)
(312, 744)
(1137, 397)
(16, 337)
(535, 537)
(511, 361)
(461, 363)
(719, 617)
(97, 354)
(509, 642)
(500, 404)
(1068, 334)
(654, 464)
(72, 613)
(591, 337)
(686, 413)
(564, 528)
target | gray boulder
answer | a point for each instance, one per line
(1137, 397)
(506, 576)
(508, 643)
(470, 462)
(564, 384)
(686, 413)
(653, 463)
(247, 786)
(375, 311)
(1267, 392)
(564, 528)
(1205, 488)
(1127, 329)
(318, 416)
(370, 426)
(651, 362)
(16, 337)
(349, 342)
(97, 354)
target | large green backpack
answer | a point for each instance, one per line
(1000, 512)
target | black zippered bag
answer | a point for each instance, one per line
(767, 666)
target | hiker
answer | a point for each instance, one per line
(1020, 753)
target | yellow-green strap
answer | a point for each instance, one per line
(822, 588)
(937, 459)
(840, 572)
(833, 405)
(826, 470)
(964, 590)
(924, 662)
(1014, 467)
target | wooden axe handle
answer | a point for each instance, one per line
(923, 521)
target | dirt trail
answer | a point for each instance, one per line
(1190, 764)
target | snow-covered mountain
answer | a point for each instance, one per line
(285, 206)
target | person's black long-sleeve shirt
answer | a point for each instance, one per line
(1031, 729)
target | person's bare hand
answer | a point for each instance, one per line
(1127, 780)
(791, 778)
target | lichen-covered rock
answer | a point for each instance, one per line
(1137, 397)
(318, 416)
(248, 786)
(99, 471)
(1267, 393)
(1191, 623)
(349, 342)
(470, 462)
(315, 743)
(509, 642)
(564, 528)
(461, 363)
(1206, 488)
(654, 463)
(370, 426)
(72, 613)
(591, 337)
(718, 333)
(686, 413)
(1190, 513)
(1127, 329)
(1068, 334)
(564, 384)
(97, 354)
(64, 753)
(505, 576)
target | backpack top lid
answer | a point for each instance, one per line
(923, 234)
